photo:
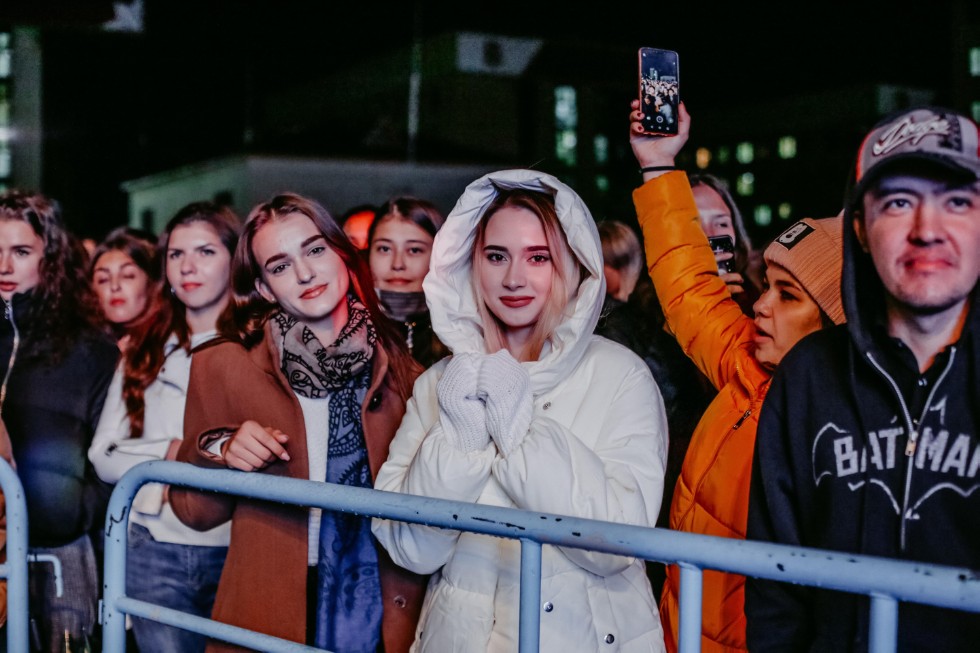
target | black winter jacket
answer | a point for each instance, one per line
(51, 412)
(836, 468)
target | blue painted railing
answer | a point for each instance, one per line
(15, 568)
(886, 581)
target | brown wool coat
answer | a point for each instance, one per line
(263, 585)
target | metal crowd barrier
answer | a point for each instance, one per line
(15, 568)
(886, 581)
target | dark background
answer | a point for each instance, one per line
(195, 82)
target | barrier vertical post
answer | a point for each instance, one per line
(114, 583)
(17, 610)
(689, 635)
(530, 626)
(883, 635)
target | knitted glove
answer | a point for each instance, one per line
(506, 387)
(462, 413)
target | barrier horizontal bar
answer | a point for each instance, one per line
(234, 634)
(943, 586)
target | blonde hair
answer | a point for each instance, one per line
(566, 276)
(621, 251)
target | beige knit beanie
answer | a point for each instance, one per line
(812, 251)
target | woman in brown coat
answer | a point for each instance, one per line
(313, 387)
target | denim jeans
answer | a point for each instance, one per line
(179, 576)
(74, 611)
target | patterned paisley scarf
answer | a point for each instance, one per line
(349, 605)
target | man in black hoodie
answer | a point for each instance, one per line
(868, 440)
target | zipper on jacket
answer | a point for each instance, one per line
(913, 433)
(8, 312)
(742, 419)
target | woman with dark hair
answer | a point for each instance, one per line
(122, 270)
(400, 244)
(57, 366)
(313, 388)
(168, 563)
(738, 355)
(534, 412)
(719, 216)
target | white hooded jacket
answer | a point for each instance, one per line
(596, 449)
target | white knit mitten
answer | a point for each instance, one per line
(506, 387)
(462, 412)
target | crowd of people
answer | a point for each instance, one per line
(820, 391)
(660, 101)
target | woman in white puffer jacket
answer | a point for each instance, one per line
(534, 412)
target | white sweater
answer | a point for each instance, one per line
(113, 452)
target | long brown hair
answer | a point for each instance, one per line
(565, 279)
(166, 314)
(252, 310)
(64, 307)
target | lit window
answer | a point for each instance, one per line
(4, 161)
(975, 62)
(744, 152)
(785, 210)
(5, 135)
(787, 147)
(566, 122)
(565, 146)
(745, 184)
(600, 147)
(762, 215)
(602, 183)
(4, 55)
(703, 157)
(724, 154)
(566, 106)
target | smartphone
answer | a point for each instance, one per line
(660, 93)
(723, 245)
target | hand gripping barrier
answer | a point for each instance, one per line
(886, 581)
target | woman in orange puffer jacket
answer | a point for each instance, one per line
(801, 295)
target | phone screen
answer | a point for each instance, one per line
(724, 251)
(659, 90)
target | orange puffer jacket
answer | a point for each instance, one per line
(712, 493)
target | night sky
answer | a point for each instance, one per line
(765, 48)
(184, 87)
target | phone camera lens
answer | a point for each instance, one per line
(660, 118)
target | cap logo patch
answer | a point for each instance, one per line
(792, 236)
(909, 131)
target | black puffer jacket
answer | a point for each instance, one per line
(51, 411)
